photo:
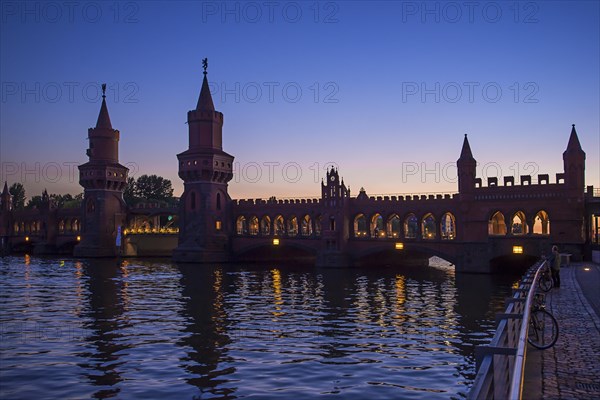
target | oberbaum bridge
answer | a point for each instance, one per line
(479, 229)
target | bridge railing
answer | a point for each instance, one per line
(501, 364)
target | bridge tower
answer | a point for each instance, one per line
(335, 228)
(574, 163)
(204, 207)
(103, 180)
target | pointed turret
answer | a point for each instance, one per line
(103, 118)
(205, 124)
(466, 166)
(205, 101)
(5, 190)
(574, 144)
(465, 153)
(574, 162)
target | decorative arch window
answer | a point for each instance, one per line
(279, 226)
(377, 228)
(393, 226)
(61, 226)
(428, 227)
(241, 227)
(292, 226)
(496, 224)
(519, 224)
(411, 226)
(75, 225)
(541, 223)
(448, 226)
(360, 226)
(265, 226)
(254, 225)
(306, 227)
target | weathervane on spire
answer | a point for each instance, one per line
(205, 64)
(103, 90)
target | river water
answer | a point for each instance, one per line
(153, 329)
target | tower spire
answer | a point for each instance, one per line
(573, 140)
(205, 102)
(5, 190)
(103, 118)
(465, 153)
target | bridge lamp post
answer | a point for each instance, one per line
(79, 238)
(27, 238)
(399, 246)
(276, 242)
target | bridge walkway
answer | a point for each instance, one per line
(570, 369)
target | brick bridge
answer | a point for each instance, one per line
(481, 226)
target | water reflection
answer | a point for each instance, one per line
(154, 329)
(105, 323)
(206, 329)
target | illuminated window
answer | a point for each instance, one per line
(518, 249)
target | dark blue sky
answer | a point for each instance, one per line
(385, 90)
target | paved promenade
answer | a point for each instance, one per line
(570, 369)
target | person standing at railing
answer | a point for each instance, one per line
(555, 266)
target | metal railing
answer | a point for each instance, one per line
(501, 364)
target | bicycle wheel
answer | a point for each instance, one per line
(545, 283)
(543, 329)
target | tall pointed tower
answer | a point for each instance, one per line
(466, 166)
(204, 206)
(103, 180)
(574, 163)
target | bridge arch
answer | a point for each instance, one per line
(448, 226)
(279, 227)
(265, 225)
(541, 223)
(497, 224)
(253, 225)
(518, 223)
(377, 229)
(411, 226)
(393, 226)
(428, 227)
(241, 225)
(360, 225)
(292, 226)
(306, 228)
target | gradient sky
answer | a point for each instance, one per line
(388, 89)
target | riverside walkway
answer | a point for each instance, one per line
(570, 369)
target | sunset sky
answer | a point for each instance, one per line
(383, 90)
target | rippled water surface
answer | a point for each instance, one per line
(140, 329)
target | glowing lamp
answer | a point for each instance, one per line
(399, 246)
(276, 242)
(517, 249)
(78, 238)
(27, 238)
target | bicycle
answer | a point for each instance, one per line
(543, 328)
(545, 283)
